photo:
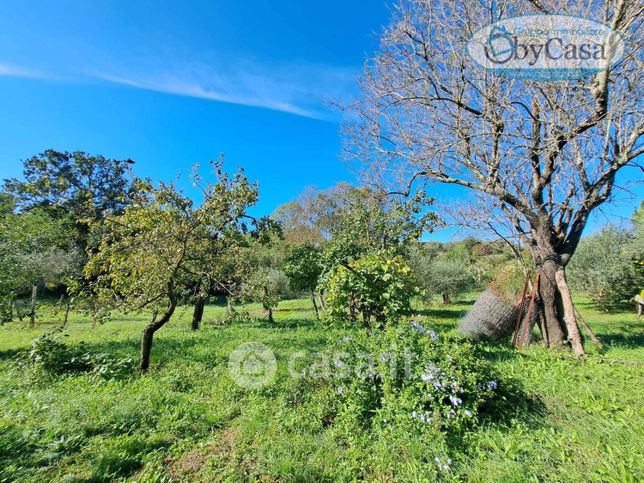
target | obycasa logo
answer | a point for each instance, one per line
(550, 47)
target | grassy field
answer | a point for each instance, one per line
(188, 421)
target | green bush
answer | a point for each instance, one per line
(377, 287)
(410, 378)
(6, 308)
(51, 355)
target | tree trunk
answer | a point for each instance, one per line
(542, 326)
(322, 301)
(560, 323)
(230, 309)
(315, 305)
(32, 314)
(148, 333)
(66, 318)
(366, 316)
(574, 335)
(353, 314)
(446, 298)
(270, 315)
(549, 294)
(197, 315)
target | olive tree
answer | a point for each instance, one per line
(445, 278)
(267, 286)
(303, 267)
(540, 157)
(151, 252)
(608, 267)
(35, 251)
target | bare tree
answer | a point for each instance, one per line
(542, 155)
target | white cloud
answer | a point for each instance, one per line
(11, 70)
(297, 88)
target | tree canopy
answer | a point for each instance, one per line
(155, 249)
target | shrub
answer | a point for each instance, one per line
(6, 308)
(410, 378)
(303, 267)
(373, 286)
(51, 355)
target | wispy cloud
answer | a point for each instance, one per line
(300, 88)
(12, 70)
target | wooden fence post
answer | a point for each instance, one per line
(32, 315)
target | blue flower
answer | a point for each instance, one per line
(418, 328)
(433, 335)
(455, 401)
(443, 466)
(492, 385)
(340, 390)
(422, 417)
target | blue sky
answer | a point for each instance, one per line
(171, 84)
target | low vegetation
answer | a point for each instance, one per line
(551, 417)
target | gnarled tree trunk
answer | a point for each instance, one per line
(548, 294)
(559, 320)
(147, 336)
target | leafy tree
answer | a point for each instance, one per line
(151, 252)
(377, 287)
(34, 251)
(314, 215)
(369, 223)
(608, 267)
(303, 267)
(360, 219)
(444, 277)
(267, 286)
(73, 184)
(7, 203)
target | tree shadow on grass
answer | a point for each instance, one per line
(11, 353)
(291, 324)
(631, 341)
(210, 346)
(512, 404)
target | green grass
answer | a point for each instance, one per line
(187, 420)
